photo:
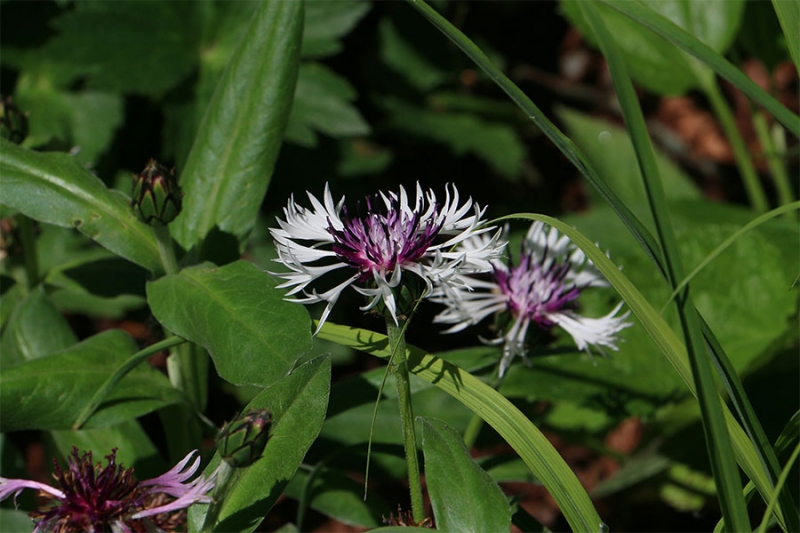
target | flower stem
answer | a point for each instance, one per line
(399, 367)
(166, 250)
(773, 148)
(752, 183)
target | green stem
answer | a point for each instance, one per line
(773, 148)
(399, 367)
(26, 231)
(225, 477)
(120, 373)
(166, 250)
(752, 183)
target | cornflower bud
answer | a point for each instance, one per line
(157, 198)
(241, 442)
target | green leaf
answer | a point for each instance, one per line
(789, 16)
(231, 162)
(645, 16)
(322, 103)
(35, 329)
(463, 496)
(134, 447)
(234, 312)
(608, 148)
(336, 495)
(54, 188)
(50, 392)
(15, 520)
(654, 62)
(327, 22)
(498, 145)
(537, 452)
(298, 403)
(126, 46)
(402, 57)
(85, 120)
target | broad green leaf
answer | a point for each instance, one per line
(327, 22)
(231, 162)
(609, 150)
(145, 48)
(497, 144)
(298, 403)
(537, 452)
(84, 121)
(50, 392)
(234, 312)
(322, 102)
(651, 60)
(463, 496)
(12, 294)
(789, 16)
(35, 329)
(54, 188)
(15, 520)
(336, 495)
(663, 27)
(134, 447)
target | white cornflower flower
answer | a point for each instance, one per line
(383, 239)
(540, 290)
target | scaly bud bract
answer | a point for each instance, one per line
(157, 198)
(241, 442)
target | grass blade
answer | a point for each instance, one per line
(720, 452)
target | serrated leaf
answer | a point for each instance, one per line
(234, 312)
(327, 22)
(231, 162)
(145, 48)
(456, 483)
(298, 403)
(51, 391)
(322, 103)
(35, 329)
(54, 188)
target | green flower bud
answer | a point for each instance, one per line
(157, 198)
(13, 122)
(241, 442)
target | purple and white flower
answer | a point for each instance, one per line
(379, 242)
(94, 498)
(540, 290)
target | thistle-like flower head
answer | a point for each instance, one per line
(540, 290)
(377, 243)
(94, 498)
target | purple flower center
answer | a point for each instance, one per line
(381, 239)
(94, 496)
(533, 291)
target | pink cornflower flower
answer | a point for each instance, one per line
(94, 498)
